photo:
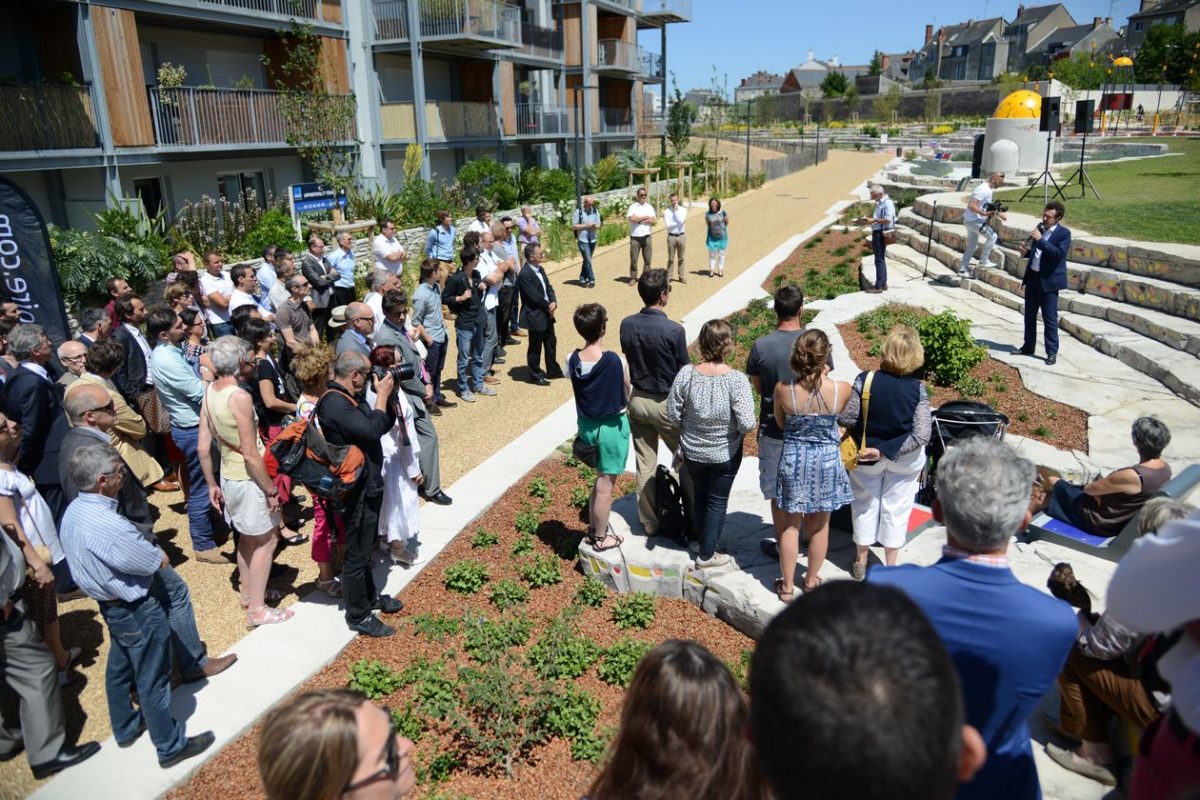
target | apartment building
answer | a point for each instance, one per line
(91, 120)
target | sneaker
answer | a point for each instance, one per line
(717, 560)
(964, 272)
(858, 571)
(486, 391)
(1070, 760)
(331, 587)
(467, 397)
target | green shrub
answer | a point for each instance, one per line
(561, 651)
(540, 185)
(539, 488)
(572, 714)
(1041, 431)
(436, 627)
(528, 520)
(438, 770)
(523, 546)
(486, 181)
(970, 386)
(436, 694)
(408, 723)
(634, 610)
(86, 260)
(741, 670)
(618, 664)
(501, 714)
(274, 227)
(541, 571)
(465, 577)
(507, 593)
(484, 539)
(950, 349)
(580, 497)
(486, 639)
(591, 593)
(373, 678)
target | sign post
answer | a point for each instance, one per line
(307, 197)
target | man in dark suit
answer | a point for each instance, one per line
(95, 324)
(36, 403)
(417, 392)
(1045, 276)
(132, 378)
(1008, 641)
(538, 304)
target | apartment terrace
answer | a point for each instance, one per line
(195, 118)
(457, 26)
(444, 120)
(325, 15)
(658, 12)
(46, 117)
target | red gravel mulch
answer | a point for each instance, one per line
(549, 771)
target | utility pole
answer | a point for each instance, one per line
(747, 144)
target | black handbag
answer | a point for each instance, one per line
(587, 453)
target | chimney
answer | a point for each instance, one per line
(928, 34)
(834, 61)
(885, 61)
(1097, 22)
(1021, 9)
(810, 55)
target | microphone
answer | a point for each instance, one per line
(1041, 228)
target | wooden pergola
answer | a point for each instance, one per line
(683, 172)
(715, 165)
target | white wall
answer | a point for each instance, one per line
(190, 180)
(225, 58)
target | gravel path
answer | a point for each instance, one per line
(759, 221)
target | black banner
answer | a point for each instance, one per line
(27, 271)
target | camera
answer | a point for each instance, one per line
(996, 207)
(399, 373)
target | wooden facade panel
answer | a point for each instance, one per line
(570, 26)
(611, 27)
(475, 80)
(508, 108)
(331, 10)
(334, 73)
(120, 57)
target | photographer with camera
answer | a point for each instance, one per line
(413, 380)
(978, 219)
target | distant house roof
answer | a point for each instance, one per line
(1165, 7)
(761, 80)
(972, 31)
(1034, 14)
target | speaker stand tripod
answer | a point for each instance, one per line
(1045, 179)
(1085, 182)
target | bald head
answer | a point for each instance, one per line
(85, 404)
(71, 354)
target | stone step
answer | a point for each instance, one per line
(915, 258)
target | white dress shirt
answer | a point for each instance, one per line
(1035, 261)
(136, 333)
(640, 210)
(675, 218)
(382, 246)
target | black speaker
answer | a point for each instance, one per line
(1085, 121)
(1050, 113)
(977, 156)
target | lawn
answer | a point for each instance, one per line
(1147, 200)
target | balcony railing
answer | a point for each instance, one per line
(541, 42)
(651, 64)
(616, 120)
(628, 5)
(483, 18)
(38, 117)
(444, 119)
(537, 119)
(192, 117)
(320, 10)
(617, 54)
(673, 9)
(391, 20)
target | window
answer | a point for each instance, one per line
(959, 51)
(960, 71)
(1137, 26)
(149, 191)
(234, 185)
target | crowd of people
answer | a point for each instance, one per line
(189, 392)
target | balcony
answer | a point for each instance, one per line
(391, 20)
(259, 13)
(614, 55)
(545, 44)
(319, 10)
(39, 117)
(469, 25)
(620, 6)
(616, 120)
(444, 119)
(651, 66)
(192, 117)
(659, 12)
(538, 119)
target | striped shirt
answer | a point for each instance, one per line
(1000, 562)
(109, 558)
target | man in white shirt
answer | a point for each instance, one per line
(978, 219)
(380, 283)
(641, 218)
(267, 275)
(482, 221)
(217, 290)
(386, 247)
(491, 272)
(675, 216)
(246, 291)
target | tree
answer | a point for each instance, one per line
(807, 97)
(318, 122)
(875, 68)
(766, 109)
(1170, 46)
(834, 84)
(887, 104)
(1082, 72)
(852, 99)
(680, 117)
(931, 81)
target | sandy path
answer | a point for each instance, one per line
(469, 434)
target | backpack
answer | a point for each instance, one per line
(670, 510)
(328, 471)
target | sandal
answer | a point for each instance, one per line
(293, 541)
(806, 588)
(331, 587)
(597, 542)
(784, 597)
(270, 596)
(270, 616)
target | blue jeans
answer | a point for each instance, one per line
(140, 655)
(585, 273)
(711, 484)
(470, 351)
(1038, 299)
(1065, 501)
(185, 639)
(199, 523)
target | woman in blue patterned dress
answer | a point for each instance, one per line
(812, 481)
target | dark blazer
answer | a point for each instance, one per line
(535, 309)
(37, 404)
(1052, 269)
(131, 502)
(130, 377)
(1008, 642)
(349, 343)
(414, 387)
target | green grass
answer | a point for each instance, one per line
(1149, 200)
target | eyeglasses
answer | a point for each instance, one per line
(362, 319)
(72, 358)
(111, 408)
(389, 773)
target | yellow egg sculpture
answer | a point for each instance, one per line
(1022, 104)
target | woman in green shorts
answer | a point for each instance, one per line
(600, 379)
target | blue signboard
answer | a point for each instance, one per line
(315, 197)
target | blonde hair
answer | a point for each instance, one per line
(901, 353)
(311, 366)
(716, 340)
(308, 746)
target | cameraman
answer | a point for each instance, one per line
(417, 391)
(345, 418)
(978, 219)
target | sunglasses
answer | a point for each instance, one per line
(111, 408)
(389, 773)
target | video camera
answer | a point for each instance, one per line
(995, 207)
(399, 373)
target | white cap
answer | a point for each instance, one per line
(1156, 586)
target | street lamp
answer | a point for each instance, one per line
(578, 119)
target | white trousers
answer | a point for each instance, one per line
(884, 493)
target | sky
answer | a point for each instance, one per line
(742, 36)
